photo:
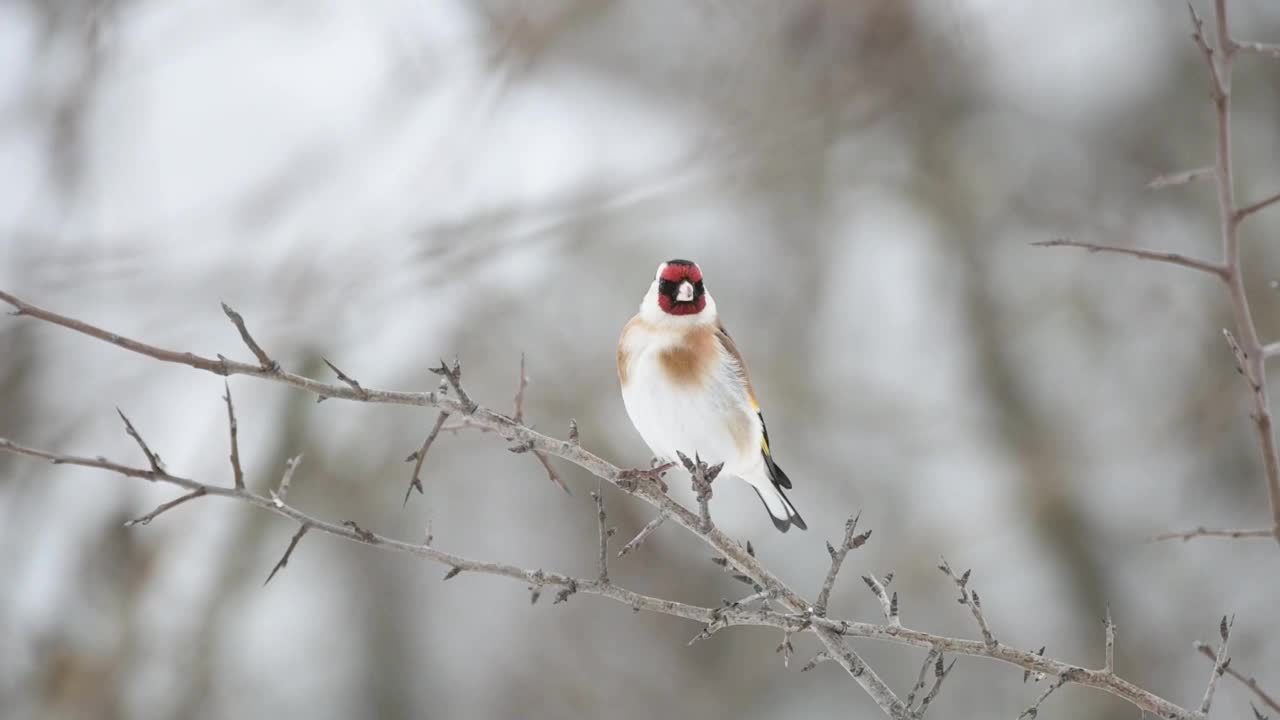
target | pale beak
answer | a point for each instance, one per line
(685, 293)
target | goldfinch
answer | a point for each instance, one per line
(686, 387)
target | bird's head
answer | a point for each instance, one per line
(677, 293)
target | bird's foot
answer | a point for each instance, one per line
(630, 480)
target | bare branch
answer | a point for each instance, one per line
(1154, 255)
(417, 456)
(831, 632)
(785, 648)
(1262, 204)
(517, 412)
(1272, 49)
(852, 540)
(602, 574)
(152, 458)
(1110, 631)
(278, 495)
(518, 417)
(236, 471)
(264, 360)
(644, 533)
(1250, 351)
(454, 376)
(146, 519)
(354, 385)
(796, 614)
(887, 606)
(970, 598)
(933, 656)
(1180, 178)
(818, 659)
(1034, 709)
(940, 674)
(1202, 531)
(1219, 86)
(293, 543)
(1220, 664)
(1247, 680)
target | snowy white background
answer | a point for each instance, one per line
(389, 182)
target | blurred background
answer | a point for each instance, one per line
(387, 183)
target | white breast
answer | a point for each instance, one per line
(689, 419)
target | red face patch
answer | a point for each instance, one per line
(677, 272)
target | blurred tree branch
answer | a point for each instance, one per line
(1250, 353)
(798, 614)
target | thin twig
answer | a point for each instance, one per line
(644, 533)
(970, 598)
(415, 480)
(517, 412)
(888, 606)
(602, 562)
(152, 458)
(293, 543)
(1271, 49)
(264, 360)
(1262, 204)
(1220, 86)
(237, 472)
(146, 519)
(1204, 266)
(1034, 709)
(278, 495)
(785, 648)
(350, 381)
(1109, 628)
(821, 657)
(932, 656)
(552, 475)
(940, 674)
(1180, 178)
(852, 540)
(1220, 664)
(1206, 532)
(1247, 680)
(453, 374)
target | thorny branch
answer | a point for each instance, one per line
(293, 543)
(644, 533)
(417, 456)
(517, 415)
(237, 472)
(1247, 680)
(941, 669)
(889, 605)
(970, 598)
(605, 531)
(852, 540)
(1202, 531)
(1220, 664)
(796, 614)
(1250, 353)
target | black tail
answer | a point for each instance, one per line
(780, 480)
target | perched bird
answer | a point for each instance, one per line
(686, 387)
